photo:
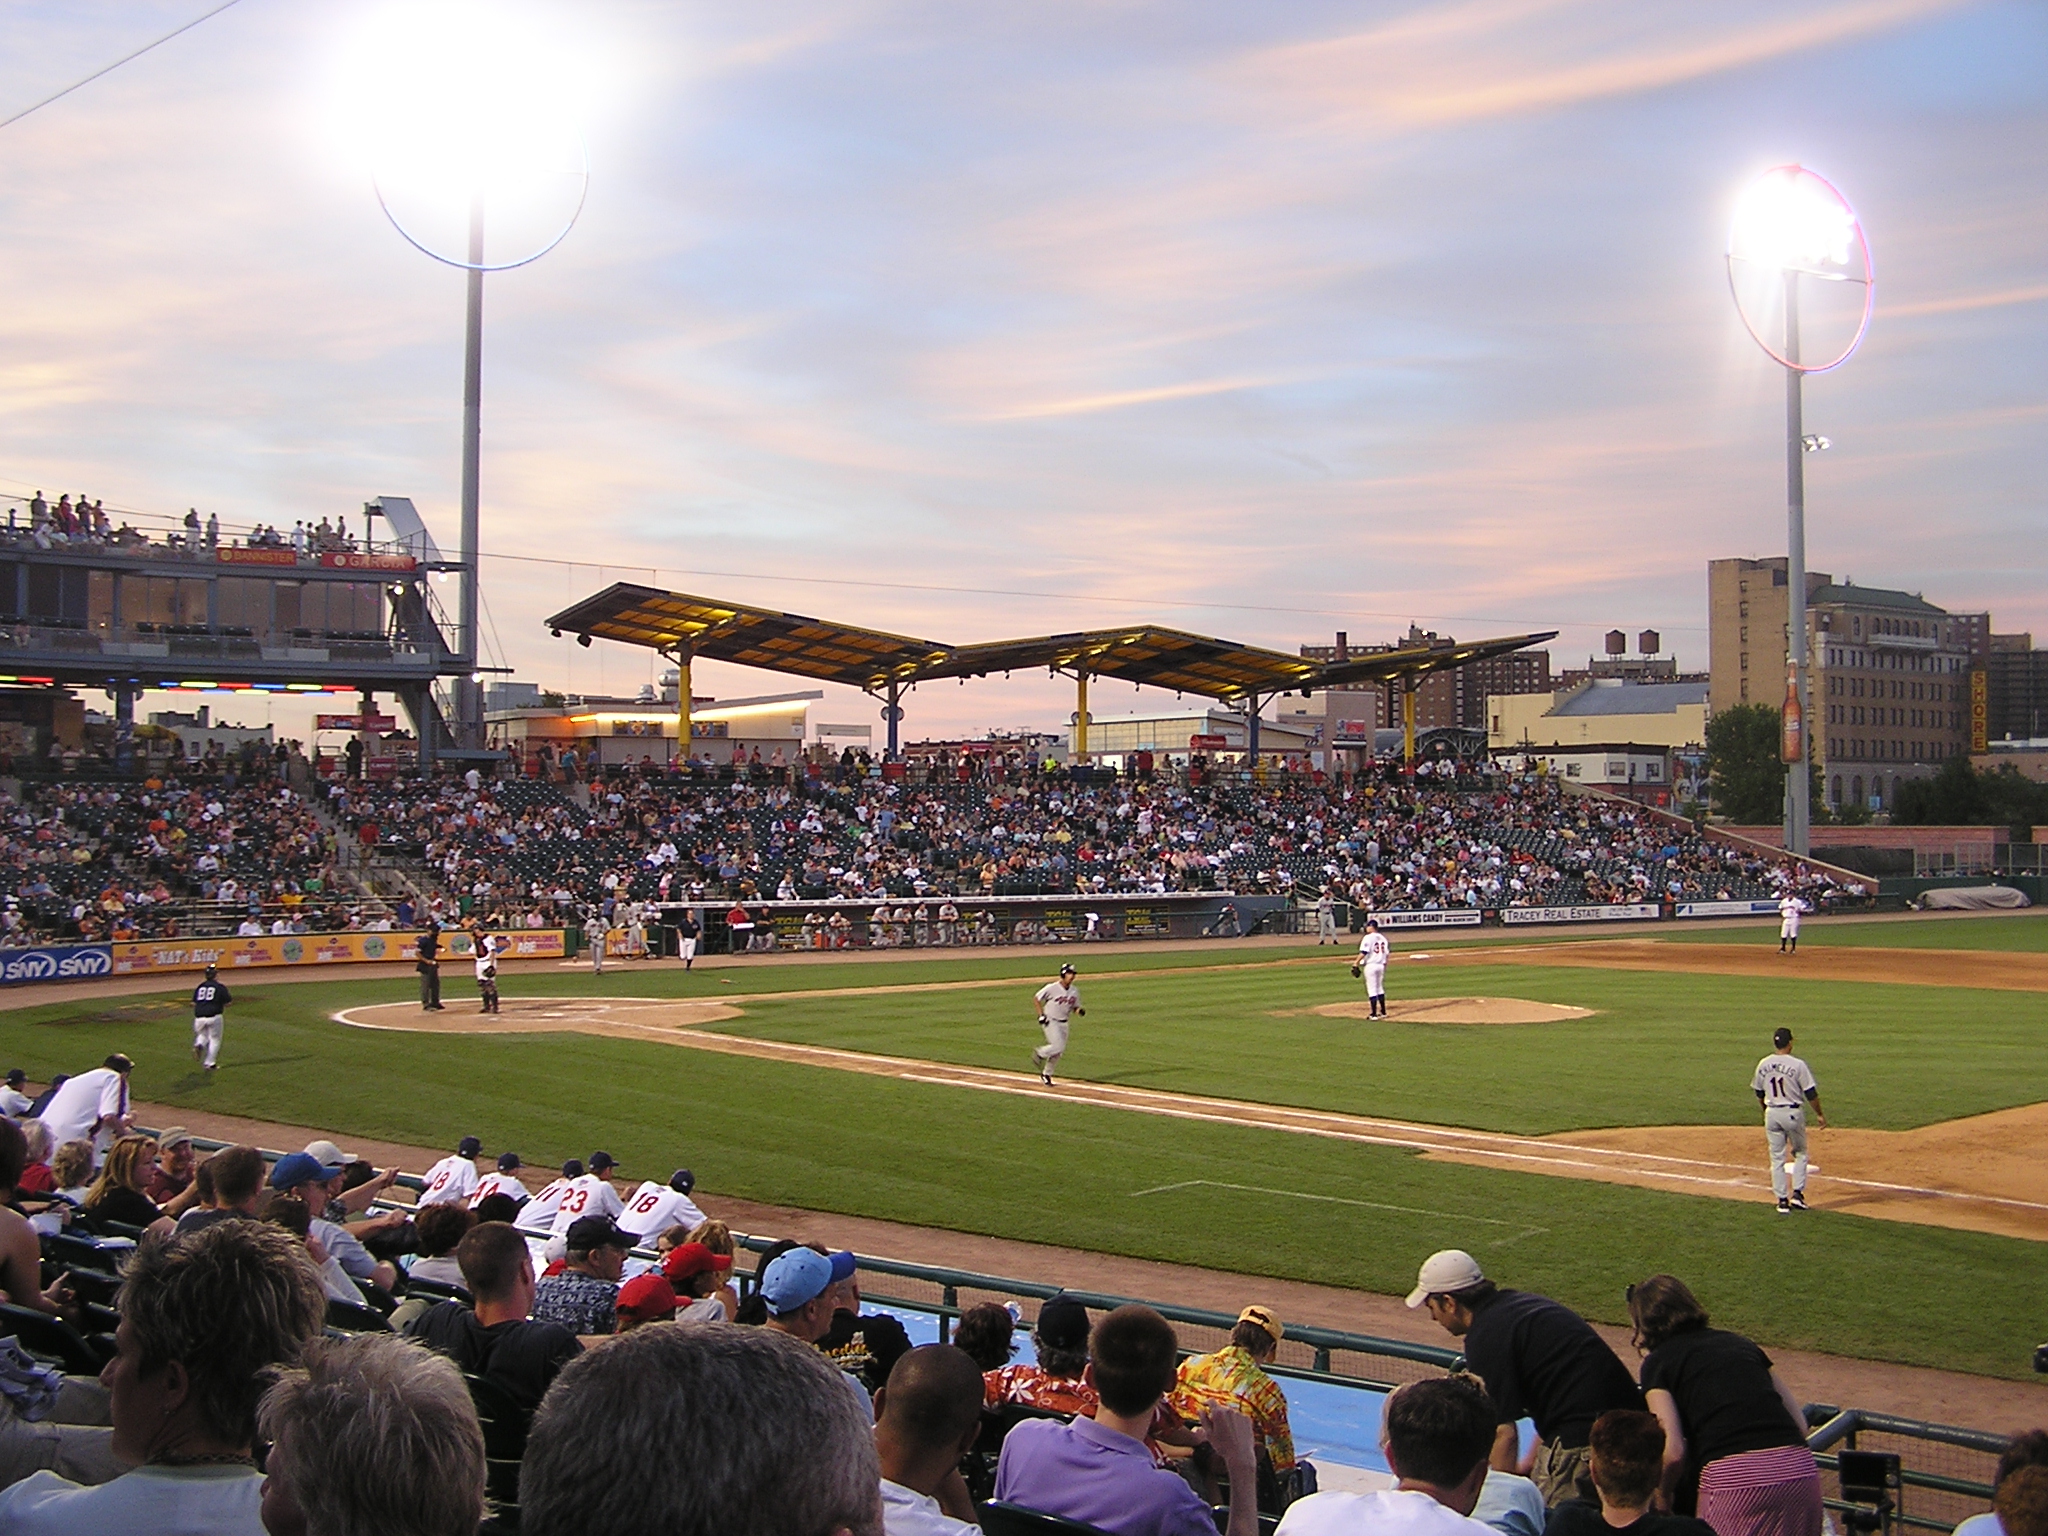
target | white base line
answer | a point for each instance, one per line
(1302, 1194)
(1333, 1125)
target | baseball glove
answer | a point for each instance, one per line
(1357, 971)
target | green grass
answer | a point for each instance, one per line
(1665, 1049)
(2022, 933)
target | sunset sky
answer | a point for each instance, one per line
(974, 321)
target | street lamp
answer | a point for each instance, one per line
(467, 112)
(1789, 224)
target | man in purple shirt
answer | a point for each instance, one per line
(1099, 1470)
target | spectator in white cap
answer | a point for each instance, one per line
(1537, 1358)
(170, 1183)
(797, 1288)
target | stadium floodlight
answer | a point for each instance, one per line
(1791, 223)
(464, 108)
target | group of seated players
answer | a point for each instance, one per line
(293, 1351)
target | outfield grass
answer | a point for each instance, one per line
(2021, 933)
(1072, 1174)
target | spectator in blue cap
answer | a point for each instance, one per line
(798, 1289)
(303, 1174)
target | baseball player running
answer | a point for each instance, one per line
(1789, 912)
(1784, 1085)
(1373, 952)
(209, 1019)
(1057, 1002)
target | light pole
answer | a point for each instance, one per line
(1794, 223)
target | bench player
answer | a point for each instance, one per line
(1058, 1001)
(1784, 1085)
(1373, 953)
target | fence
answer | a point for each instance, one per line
(1981, 858)
(1945, 1472)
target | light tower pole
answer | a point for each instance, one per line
(1795, 223)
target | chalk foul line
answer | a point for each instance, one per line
(1367, 1205)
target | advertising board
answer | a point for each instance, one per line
(1725, 909)
(1460, 917)
(54, 962)
(317, 949)
(1622, 912)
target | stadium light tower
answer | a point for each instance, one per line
(1791, 223)
(467, 111)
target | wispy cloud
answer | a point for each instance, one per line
(1962, 303)
(1117, 400)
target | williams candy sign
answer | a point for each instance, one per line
(56, 962)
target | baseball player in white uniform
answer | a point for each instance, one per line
(1373, 953)
(452, 1180)
(1784, 1085)
(505, 1182)
(1058, 1001)
(488, 947)
(654, 1208)
(1789, 911)
(537, 1216)
(1326, 918)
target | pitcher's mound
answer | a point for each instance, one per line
(545, 1015)
(1461, 1010)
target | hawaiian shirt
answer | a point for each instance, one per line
(1230, 1378)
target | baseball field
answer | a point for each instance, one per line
(1219, 1105)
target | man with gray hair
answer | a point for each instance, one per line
(374, 1434)
(700, 1431)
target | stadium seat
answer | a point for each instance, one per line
(1002, 1519)
(350, 1318)
(505, 1423)
(53, 1339)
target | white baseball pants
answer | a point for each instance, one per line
(1785, 1130)
(1375, 981)
(206, 1035)
(1048, 1055)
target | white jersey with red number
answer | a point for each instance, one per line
(1374, 949)
(448, 1182)
(495, 1183)
(655, 1208)
(537, 1216)
(591, 1195)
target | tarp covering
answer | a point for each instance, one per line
(1973, 898)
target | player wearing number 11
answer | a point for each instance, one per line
(1784, 1085)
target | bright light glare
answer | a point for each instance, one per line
(1790, 218)
(451, 100)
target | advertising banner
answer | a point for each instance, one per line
(353, 562)
(1461, 917)
(355, 722)
(1208, 743)
(255, 557)
(54, 962)
(1980, 711)
(1725, 908)
(1627, 912)
(316, 949)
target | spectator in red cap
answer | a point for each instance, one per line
(644, 1299)
(699, 1274)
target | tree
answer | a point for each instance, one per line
(1743, 768)
(1960, 796)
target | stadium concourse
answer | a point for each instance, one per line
(85, 859)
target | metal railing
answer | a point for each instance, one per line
(1945, 1472)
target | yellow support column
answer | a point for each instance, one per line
(1408, 722)
(682, 706)
(1081, 717)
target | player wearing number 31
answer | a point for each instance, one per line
(1784, 1085)
(1057, 1002)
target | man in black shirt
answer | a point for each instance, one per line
(209, 1018)
(430, 966)
(495, 1341)
(1537, 1358)
(1627, 1467)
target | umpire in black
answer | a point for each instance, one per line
(430, 967)
(1538, 1358)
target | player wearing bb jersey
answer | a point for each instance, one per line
(452, 1180)
(505, 1181)
(1058, 1001)
(653, 1208)
(209, 1019)
(1784, 1085)
(1373, 954)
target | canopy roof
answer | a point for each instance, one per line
(872, 659)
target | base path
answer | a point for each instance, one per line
(1931, 1188)
(1941, 1397)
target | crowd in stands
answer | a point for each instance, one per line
(282, 1347)
(75, 521)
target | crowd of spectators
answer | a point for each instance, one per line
(76, 521)
(279, 1354)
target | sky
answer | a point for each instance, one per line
(972, 322)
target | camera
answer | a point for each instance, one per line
(1870, 1486)
(2041, 1358)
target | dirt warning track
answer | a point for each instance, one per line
(1933, 1176)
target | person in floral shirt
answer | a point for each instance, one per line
(1234, 1377)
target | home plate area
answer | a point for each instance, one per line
(543, 1015)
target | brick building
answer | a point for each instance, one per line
(1455, 696)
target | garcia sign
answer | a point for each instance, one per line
(57, 962)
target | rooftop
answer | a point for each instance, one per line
(1849, 595)
(1606, 697)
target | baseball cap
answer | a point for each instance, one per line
(599, 1161)
(173, 1136)
(1062, 1323)
(573, 1169)
(588, 1232)
(687, 1259)
(328, 1153)
(1266, 1318)
(296, 1168)
(646, 1298)
(843, 1264)
(507, 1161)
(682, 1181)
(119, 1063)
(1068, 970)
(796, 1278)
(16, 1077)
(1450, 1270)
(1782, 1038)
(469, 1146)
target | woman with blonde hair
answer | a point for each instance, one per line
(70, 1169)
(117, 1194)
(717, 1236)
